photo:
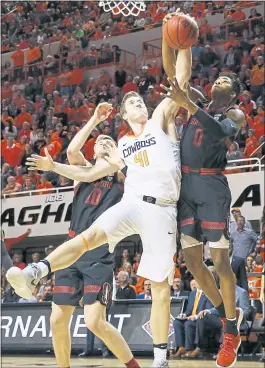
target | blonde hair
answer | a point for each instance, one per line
(125, 98)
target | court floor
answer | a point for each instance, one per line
(38, 362)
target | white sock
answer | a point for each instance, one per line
(160, 354)
(44, 269)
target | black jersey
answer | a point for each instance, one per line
(90, 201)
(200, 148)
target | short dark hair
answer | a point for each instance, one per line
(236, 84)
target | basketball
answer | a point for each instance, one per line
(181, 32)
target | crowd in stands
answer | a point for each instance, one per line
(37, 22)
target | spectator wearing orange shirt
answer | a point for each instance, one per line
(17, 261)
(54, 148)
(34, 54)
(249, 105)
(257, 78)
(258, 46)
(22, 117)
(129, 86)
(19, 178)
(44, 184)
(159, 16)
(154, 69)
(12, 186)
(49, 84)
(18, 62)
(251, 143)
(232, 41)
(208, 88)
(238, 16)
(6, 91)
(18, 99)
(259, 126)
(205, 30)
(76, 77)
(12, 154)
(25, 132)
(152, 97)
(64, 80)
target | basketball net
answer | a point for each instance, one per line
(125, 8)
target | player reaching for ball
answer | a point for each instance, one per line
(205, 199)
(148, 207)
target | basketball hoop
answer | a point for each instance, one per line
(125, 8)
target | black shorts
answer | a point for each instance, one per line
(204, 207)
(90, 280)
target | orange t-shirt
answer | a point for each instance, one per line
(128, 87)
(259, 129)
(64, 79)
(13, 155)
(18, 58)
(257, 75)
(254, 50)
(49, 85)
(34, 54)
(205, 29)
(19, 179)
(54, 149)
(6, 93)
(19, 101)
(21, 118)
(68, 111)
(230, 43)
(47, 185)
(251, 145)
(154, 71)
(158, 18)
(89, 148)
(238, 16)
(76, 77)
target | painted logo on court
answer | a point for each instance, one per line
(147, 327)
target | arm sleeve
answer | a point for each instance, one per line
(223, 129)
(6, 260)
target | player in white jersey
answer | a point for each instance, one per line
(148, 207)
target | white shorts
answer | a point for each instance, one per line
(157, 227)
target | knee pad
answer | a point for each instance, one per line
(223, 243)
(188, 242)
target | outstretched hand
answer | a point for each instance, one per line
(170, 15)
(36, 162)
(103, 111)
(113, 154)
(179, 96)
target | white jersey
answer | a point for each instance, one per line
(153, 162)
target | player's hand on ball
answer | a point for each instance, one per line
(170, 15)
(103, 111)
(36, 162)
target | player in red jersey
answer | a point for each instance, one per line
(205, 200)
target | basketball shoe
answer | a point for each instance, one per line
(227, 355)
(163, 363)
(24, 281)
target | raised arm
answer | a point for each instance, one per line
(79, 173)
(175, 67)
(74, 154)
(226, 128)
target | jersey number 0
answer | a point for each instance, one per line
(94, 197)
